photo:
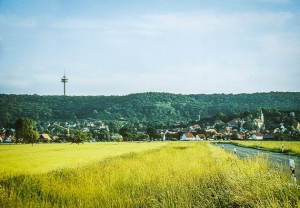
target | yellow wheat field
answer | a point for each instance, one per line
(41, 158)
(175, 174)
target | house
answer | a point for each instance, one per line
(9, 139)
(73, 125)
(258, 122)
(193, 128)
(91, 124)
(234, 122)
(45, 138)
(225, 130)
(296, 126)
(277, 130)
(218, 136)
(211, 131)
(218, 122)
(268, 136)
(187, 137)
(196, 126)
(55, 138)
(257, 136)
(2, 138)
(241, 136)
(200, 137)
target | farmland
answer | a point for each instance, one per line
(156, 174)
(42, 158)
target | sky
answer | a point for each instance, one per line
(122, 47)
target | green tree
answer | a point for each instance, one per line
(26, 130)
(169, 136)
(152, 132)
(281, 137)
(114, 126)
(247, 125)
(201, 131)
(79, 137)
(178, 134)
(119, 139)
(104, 134)
(234, 136)
(143, 137)
(126, 133)
(218, 127)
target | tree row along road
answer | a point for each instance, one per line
(274, 157)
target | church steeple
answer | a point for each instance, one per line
(262, 116)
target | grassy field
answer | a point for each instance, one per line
(162, 174)
(41, 158)
(290, 147)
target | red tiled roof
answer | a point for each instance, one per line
(189, 135)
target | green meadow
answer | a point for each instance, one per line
(154, 174)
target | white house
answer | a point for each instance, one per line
(257, 136)
(200, 137)
(187, 137)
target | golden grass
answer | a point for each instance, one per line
(180, 174)
(41, 158)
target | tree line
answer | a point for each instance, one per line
(160, 108)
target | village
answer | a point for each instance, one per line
(100, 131)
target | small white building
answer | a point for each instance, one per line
(257, 136)
(200, 137)
(187, 137)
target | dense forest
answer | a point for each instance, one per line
(162, 109)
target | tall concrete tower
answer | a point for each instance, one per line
(64, 79)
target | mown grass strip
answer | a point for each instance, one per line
(289, 147)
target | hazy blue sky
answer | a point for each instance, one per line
(121, 47)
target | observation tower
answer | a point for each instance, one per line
(64, 79)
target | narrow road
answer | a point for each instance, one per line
(281, 159)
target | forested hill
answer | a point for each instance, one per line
(142, 107)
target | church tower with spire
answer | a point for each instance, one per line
(261, 117)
